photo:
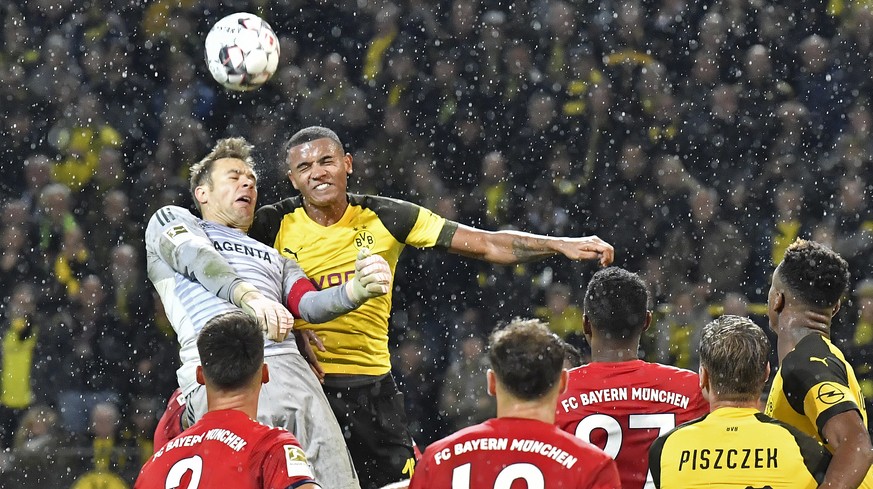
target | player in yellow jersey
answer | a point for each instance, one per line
(322, 229)
(735, 445)
(815, 388)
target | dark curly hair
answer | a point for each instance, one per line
(814, 273)
(616, 302)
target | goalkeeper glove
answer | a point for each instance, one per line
(372, 278)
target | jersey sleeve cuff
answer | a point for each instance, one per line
(300, 483)
(832, 411)
(299, 288)
(444, 240)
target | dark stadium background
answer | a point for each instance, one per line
(699, 138)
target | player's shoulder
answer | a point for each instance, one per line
(809, 446)
(652, 373)
(400, 218)
(380, 204)
(280, 208)
(169, 213)
(259, 436)
(779, 425)
(813, 354)
(268, 219)
(670, 372)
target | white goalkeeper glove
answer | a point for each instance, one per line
(372, 278)
(272, 316)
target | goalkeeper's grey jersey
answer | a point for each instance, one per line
(175, 239)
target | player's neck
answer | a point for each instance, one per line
(536, 410)
(610, 352)
(734, 404)
(326, 215)
(797, 324)
(238, 401)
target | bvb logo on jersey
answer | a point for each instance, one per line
(364, 239)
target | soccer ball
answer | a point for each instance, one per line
(242, 51)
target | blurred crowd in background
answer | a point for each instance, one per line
(699, 138)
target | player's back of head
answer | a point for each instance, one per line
(312, 133)
(527, 358)
(814, 273)
(231, 348)
(735, 352)
(616, 303)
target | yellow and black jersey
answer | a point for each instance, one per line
(814, 383)
(357, 342)
(734, 448)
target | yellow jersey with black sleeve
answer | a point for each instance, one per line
(735, 447)
(357, 342)
(814, 384)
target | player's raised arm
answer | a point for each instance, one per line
(508, 247)
(372, 279)
(174, 238)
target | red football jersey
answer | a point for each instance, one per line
(513, 453)
(622, 407)
(227, 448)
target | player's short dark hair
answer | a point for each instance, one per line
(616, 302)
(310, 134)
(814, 273)
(200, 173)
(526, 357)
(231, 347)
(735, 351)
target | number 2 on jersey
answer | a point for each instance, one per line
(180, 468)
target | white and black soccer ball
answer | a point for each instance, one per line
(242, 51)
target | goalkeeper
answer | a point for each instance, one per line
(205, 267)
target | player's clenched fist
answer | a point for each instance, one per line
(372, 277)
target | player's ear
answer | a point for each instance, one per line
(586, 326)
(347, 160)
(492, 382)
(265, 374)
(648, 320)
(199, 375)
(200, 194)
(563, 382)
(837, 308)
(291, 179)
(778, 302)
(704, 381)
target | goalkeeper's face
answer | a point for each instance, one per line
(319, 170)
(230, 196)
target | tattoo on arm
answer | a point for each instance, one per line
(529, 249)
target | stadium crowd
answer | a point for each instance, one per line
(698, 138)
